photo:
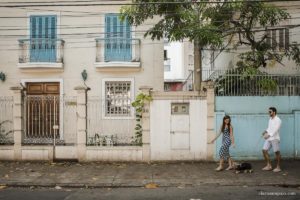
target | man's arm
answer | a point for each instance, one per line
(267, 130)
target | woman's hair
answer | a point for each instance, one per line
(223, 125)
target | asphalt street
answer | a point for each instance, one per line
(212, 192)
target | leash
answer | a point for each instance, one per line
(258, 141)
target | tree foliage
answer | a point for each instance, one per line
(224, 25)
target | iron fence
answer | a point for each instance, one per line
(6, 120)
(237, 83)
(49, 119)
(105, 128)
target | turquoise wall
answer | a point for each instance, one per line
(250, 119)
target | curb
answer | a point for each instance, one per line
(82, 185)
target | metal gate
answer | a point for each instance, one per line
(42, 120)
(180, 126)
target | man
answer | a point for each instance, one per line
(272, 140)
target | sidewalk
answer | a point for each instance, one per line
(27, 174)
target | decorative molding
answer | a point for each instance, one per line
(40, 66)
(108, 66)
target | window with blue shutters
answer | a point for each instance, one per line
(43, 38)
(118, 41)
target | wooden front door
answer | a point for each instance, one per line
(42, 112)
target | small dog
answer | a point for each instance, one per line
(243, 167)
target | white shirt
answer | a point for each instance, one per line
(273, 128)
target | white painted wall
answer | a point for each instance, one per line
(181, 56)
(175, 53)
(79, 50)
(214, 61)
(160, 136)
(131, 154)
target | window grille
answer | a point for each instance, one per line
(278, 38)
(117, 98)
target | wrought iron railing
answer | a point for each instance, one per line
(41, 50)
(6, 120)
(117, 50)
(238, 83)
(106, 129)
(49, 119)
(188, 84)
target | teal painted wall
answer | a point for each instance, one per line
(297, 135)
(250, 119)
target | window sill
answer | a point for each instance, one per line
(40, 66)
(111, 66)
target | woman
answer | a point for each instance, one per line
(227, 140)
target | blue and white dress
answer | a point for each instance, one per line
(226, 142)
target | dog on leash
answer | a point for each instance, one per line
(243, 168)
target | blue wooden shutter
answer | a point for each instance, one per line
(107, 50)
(117, 39)
(43, 38)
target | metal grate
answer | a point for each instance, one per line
(117, 98)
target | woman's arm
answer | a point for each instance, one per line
(216, 137)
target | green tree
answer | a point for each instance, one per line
(219, 25)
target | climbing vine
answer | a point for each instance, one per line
(138, 104)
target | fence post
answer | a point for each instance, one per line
(209, 87)
(81, 121)
(17, 121)
(146, 125)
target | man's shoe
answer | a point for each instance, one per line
(229, 168)
(267, 168)
(277, 169)
(218, 169)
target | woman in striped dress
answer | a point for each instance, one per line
(227, 141)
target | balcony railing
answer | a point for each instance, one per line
(117, 50)
(41, 50)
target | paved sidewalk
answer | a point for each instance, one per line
(27, 174)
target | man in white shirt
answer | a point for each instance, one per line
(272, 140)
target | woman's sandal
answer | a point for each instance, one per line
(218, 169)
(230, 168)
